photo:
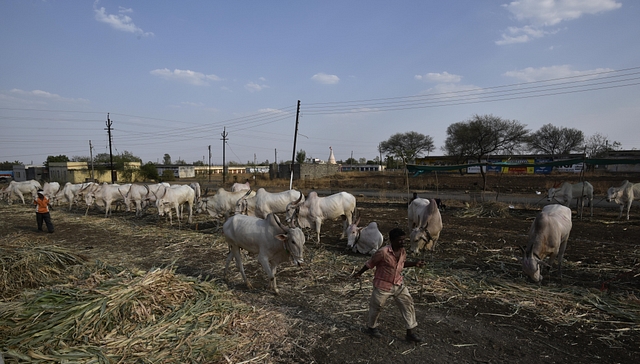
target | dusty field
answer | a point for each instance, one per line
(473, 302)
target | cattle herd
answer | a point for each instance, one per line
(252, 224)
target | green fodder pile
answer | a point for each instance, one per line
(103, 314)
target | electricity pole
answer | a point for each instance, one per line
(91, 156)
(295, 139)
(114, 177)
(209, 169)
(224, 164)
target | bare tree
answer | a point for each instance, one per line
(483, 135)
(550, 139)
(598, 145)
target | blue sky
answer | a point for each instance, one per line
(173, 74)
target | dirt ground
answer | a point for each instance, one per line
(473, 303)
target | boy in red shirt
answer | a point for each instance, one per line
(42, 211)
(388, 282)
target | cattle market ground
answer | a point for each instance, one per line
(473, 303)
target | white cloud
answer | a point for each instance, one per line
(44, 95)
(119, 21)
(444, 77)
(255, 87)
(531, 74)
(545, 13)
(186, 76)
(325, 79)
(552, 12)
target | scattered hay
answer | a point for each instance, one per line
(29, 265)
(485, 209)
(157, 317)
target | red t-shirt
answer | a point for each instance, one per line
(388, 268)
(42, 204)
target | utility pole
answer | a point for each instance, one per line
(295, 139)
(114, 177)
(91, 156)
(224, 164)
(209, 169)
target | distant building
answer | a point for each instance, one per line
(28, 172)
(361, 168)
(623, 154)
(178, 171)
(79, 172)
(332, 158)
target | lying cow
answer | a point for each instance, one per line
(425, 223)
(568, 191)
(547, 238)
(364, 240)
(314, 210)
(273, 243)
(624, 195)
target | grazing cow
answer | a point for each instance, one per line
(426, 223)
(174, 197)
(197, 190)
(273, 243)
(104, 195)
(222, 203)
(364, 240)
(547, 238)
(138, 195)
(241, 186)
(50, 189)
(316, 209)
(69, 193)
(263, 203)
(20, 188)
(568, 192)
(624, 195)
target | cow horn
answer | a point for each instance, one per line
(284, 228)
(299, 199)
(248, 193)
(165, 192)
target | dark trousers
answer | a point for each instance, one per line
(47, 220)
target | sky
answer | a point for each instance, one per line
(174, 76)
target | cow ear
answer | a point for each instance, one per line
(281, 237)
(360, 228)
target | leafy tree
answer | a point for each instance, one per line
(148, 172)
(301, 156)
(482, 135)
(362, 161)
(166, 160)
(199, 163)
(81, 158)
(598, 146)
(168, 176)
(7, 166)
(407, 146)
(553, 140)
(57, 158)
(351, 161)
(180, 162)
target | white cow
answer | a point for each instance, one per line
(314, 210)
(547, 238)
(272, 242)
(175, 197)
(426, 223)
(138, 195)
(241, 187)
(568, 191)
(69, 193)
(197, 190)
(104, 195)
(624, 195)
(20, 188)
(263, 203)
(154, 190)
(364, 240)
(223, 203)
(50, 189)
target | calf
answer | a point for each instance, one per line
(547, 238)
(426, 225)
(273, 243)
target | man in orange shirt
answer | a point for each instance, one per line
(388, 282)
(42, 211)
